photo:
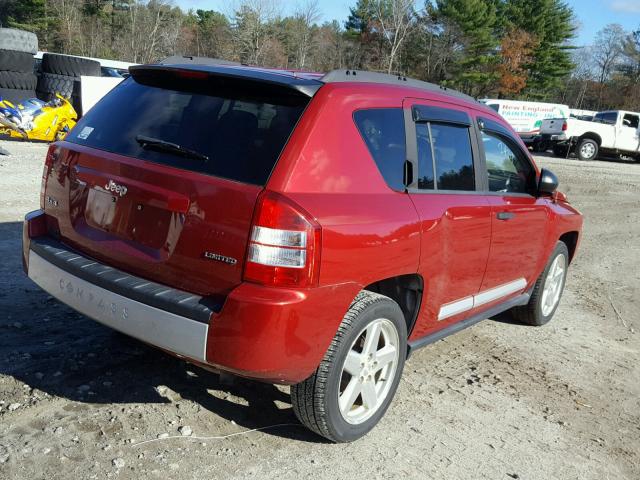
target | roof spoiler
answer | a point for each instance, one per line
(225, 76)
(193, 60)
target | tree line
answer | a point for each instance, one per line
(522, 49)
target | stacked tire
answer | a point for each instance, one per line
(61, 74)
(17, 77)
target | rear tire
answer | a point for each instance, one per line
(353, 386)
(540, 146)
(547, 290)
(587, 149)
(560, 151)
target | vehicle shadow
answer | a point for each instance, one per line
(506, 317)
(56, 350)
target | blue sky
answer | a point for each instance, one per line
(592, 15)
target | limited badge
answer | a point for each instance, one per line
(220, 258)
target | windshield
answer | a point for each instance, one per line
(241, 136)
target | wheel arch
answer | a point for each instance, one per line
(570, 239)
(406, 291)
(592, 136)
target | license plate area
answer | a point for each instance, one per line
(145, 224)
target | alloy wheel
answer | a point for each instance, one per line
(553, 284)
(368, 371)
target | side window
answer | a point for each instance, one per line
(382, 130)
(630, 121)
(507, 171)
(454, 160)
(425, 157)
(445, 160)
(606, 117)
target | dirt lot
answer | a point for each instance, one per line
(499, 400)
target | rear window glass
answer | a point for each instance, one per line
(241, 136)
(607, 117)
(383, 131)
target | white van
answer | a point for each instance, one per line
(526, 117)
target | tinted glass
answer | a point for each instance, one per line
(454, 160)
(606, 117)
(425, 157)
(429, 113)
(630, 121)
(507, 171)
(383, 132)
(241, 135)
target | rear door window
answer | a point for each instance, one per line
(445, 158)
(238, 137)
(382, 130)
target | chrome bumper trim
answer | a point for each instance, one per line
(160, 328)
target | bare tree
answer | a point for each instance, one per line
(306, 15)
(395, 19)
(607, 49)
(607, 52)
(252, 30)
(152, 31)
(582, 77)
(69, 16)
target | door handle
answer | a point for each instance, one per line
(505, 215)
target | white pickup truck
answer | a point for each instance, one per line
(609, 133)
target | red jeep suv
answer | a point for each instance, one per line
(297, 228)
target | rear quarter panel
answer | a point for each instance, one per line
(369, 232)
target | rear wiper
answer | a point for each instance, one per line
(164, 146)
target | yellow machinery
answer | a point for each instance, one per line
(33, 119)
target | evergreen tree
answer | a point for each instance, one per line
(360, 17)
(473, 69)
(551, 23)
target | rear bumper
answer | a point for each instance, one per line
(528, 138)
(176, 333)
(271, 334)
(559, 137)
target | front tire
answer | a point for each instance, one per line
(547, 290)
(353, 386)
(587, 149)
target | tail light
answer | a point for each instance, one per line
(52, 155)
(284, 248)
(564, 126)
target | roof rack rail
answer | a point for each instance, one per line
(190, 59)
(337, 76)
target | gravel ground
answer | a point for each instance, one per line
(498, 400)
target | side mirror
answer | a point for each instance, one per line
(548, 182)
